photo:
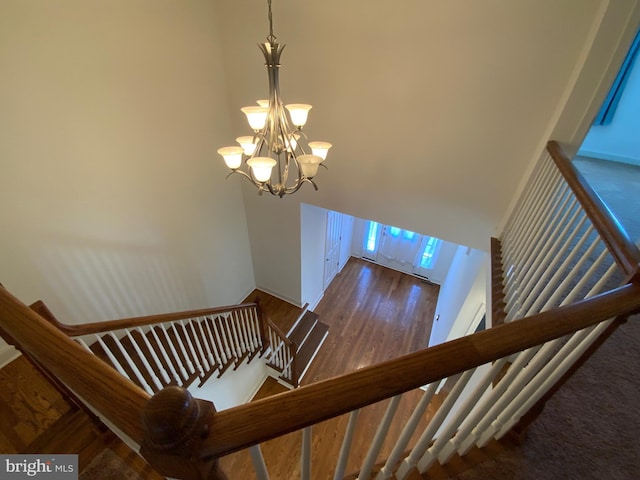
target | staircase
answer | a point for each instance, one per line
(192, 347)
(556, 270)
(308, 335)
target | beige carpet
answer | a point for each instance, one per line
(589, 429)
(107, 465)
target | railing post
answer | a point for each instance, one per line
(175, 426)
(263, 326)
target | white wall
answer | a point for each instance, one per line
(434, 138)
(113, 201)
(274, 229)
(313, 223)
(474, 306)
(346, 239)
(619, 140)
(464, 272)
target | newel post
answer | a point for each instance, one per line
(175, 426)
(263, 325)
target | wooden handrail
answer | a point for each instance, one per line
(88, 376)
(245, 425)
(110, 325)
(286, 340)
(623, 249)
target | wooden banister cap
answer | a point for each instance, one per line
(172, 417)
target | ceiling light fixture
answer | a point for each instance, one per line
(277, 139)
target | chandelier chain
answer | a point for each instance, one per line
(271, 37)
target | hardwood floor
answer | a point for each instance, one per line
(374, 314)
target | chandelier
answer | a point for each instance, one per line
(274, 158)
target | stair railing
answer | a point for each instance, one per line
(182, 437)
(560, 242)
(157, 351)
(283, 353)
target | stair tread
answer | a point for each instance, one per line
(303, 327)
(308, 349)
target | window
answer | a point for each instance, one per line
(398, 232)
(430, 252)
(371, 236)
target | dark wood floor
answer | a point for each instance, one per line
(374, 314)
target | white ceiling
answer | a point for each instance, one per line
(435, 108)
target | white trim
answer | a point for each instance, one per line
(8, 354)
(281, 296)
(313, 356)
(612, 157)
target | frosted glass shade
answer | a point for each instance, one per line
(309, 165)
(257, 116)
(263, 103)
(247, 144)
(232, 156)
(261, 167)
(320, 149)
(292, 144)
(298, 113)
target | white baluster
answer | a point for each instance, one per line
(305, 460)
(552, 372)
(534, 232)
(236, 338)
(197, 340)
(518, 247)
(213, 350)
(479, 435)
(83, 343)
(131, 364)
(242, 326)
(378, 439)
(179, 362)
(180, 343)
(165, 355)
(258, 463)
(233, 342)
(519, 222)
(387, 470)
(455, 444)
(441, 414)
(452, 425)
(154, 356)
(144, 361)
(189, 343)
(341, 466)
(112, 358)
(554, 272)
(543, 270)
(224, 348)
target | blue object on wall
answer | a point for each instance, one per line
(608, 109)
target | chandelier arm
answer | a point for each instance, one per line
(278, 139)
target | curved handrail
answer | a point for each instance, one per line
(623, 249)
(88, 376)
(249, 424)
(132, 322)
